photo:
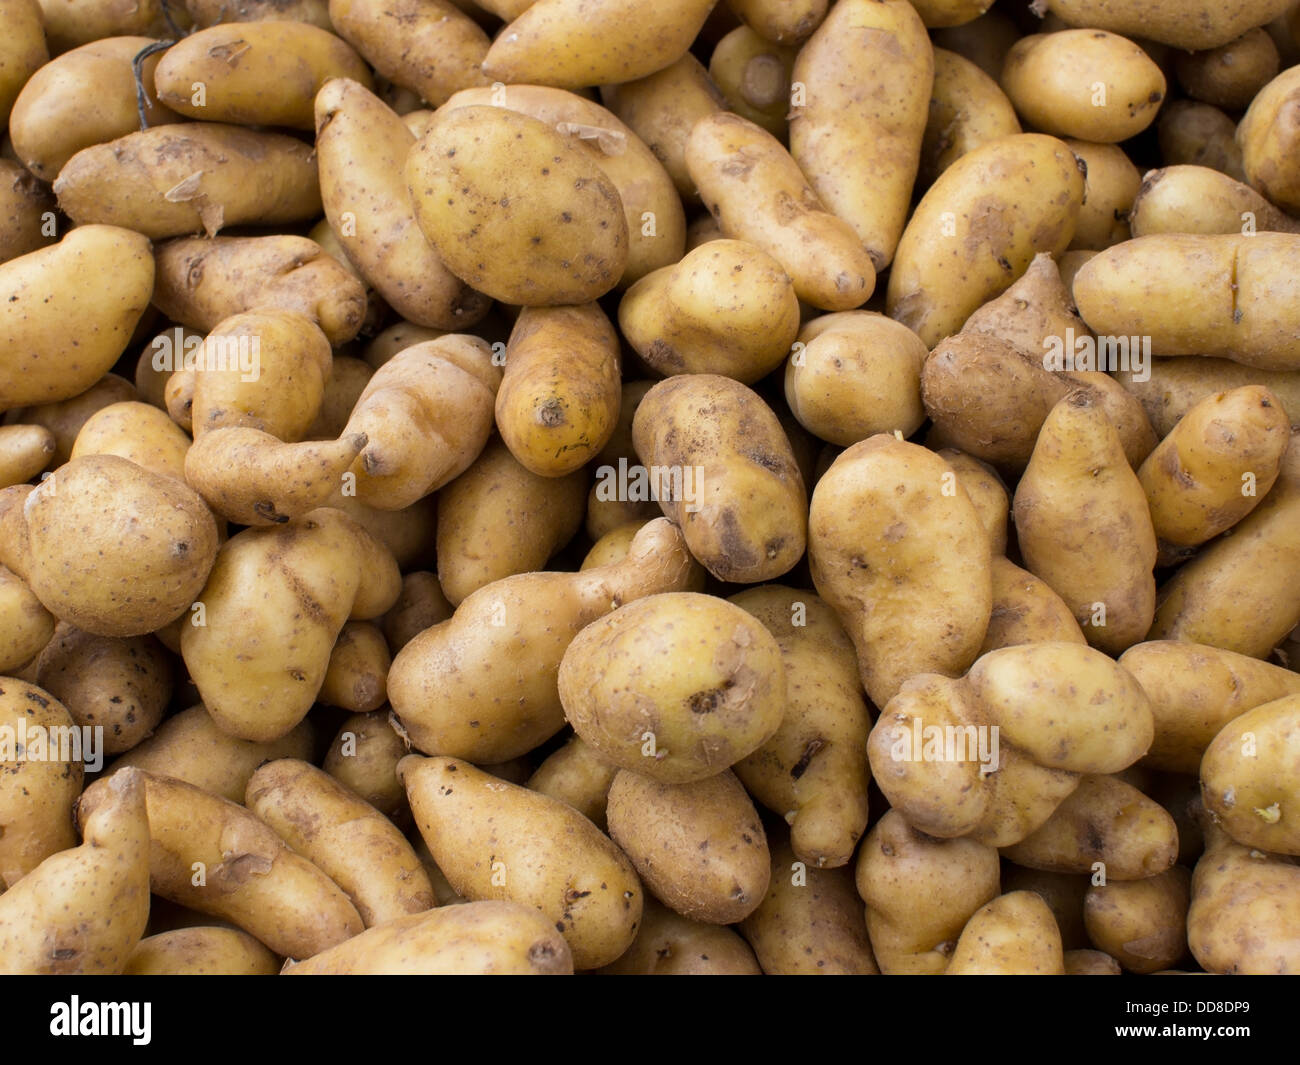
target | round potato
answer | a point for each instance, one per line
(1141, 923)
(1230, 75)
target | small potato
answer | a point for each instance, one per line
(967, 108)
(753, 75)
(499, 518)
(1090, 963)
(857, 129)
(1249, 777)
(204, 951)
(191, 177)
(408, 533)
(480, 938)
(420, 606)
(897, 866)
(364, 757)
(115, 549)
(25, 625)
(1104, 822)
(188, 746)
(357, 676)
(560, 392)
(890, 519)
(569, 44)
(577, 775)
(69, 24)
(27, 218)
(36, 793)
(25, 450)
(23, 51)
(1200, 135)
(1196, 199)
(855, 374)
(121, 686)
(1111, 182)
(561, 237)
(1269, 141)
(756, 191)
(495, 840)
(400, 40)
(668, 944)
(1014, 935)
(1026, 610)
(84, 97)
(1215, 465)
(136, 431)
(726, 308)
(345, 837)
(1141, 923)
(722, 466)
(166, 353)
(784, 22)
(84, 910)
(708, 679)
(1230, 75)
(1089, 84)
(234, 62)
(809, 922)
(1198, 24)
(944, 271)
(395, 339)
(67, 312)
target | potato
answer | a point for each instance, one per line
(898, 865)
(203, 951)
(809, 922)
(364, 757)
(191, 177)
(756, 191)
(68, 311)
(188, 746)
(1269, 141)
(525, 518)
(397, 338)
(1064, 894)
(420, 606)
(1215, 465)
(507, 641)
(495, 840)
(892, 516)
(986, 491)
(967, 108)
(985, 40)
(1195, 690)
(786, 23)
(27, 219)
(1014, 935)
(1231, 295)
(407, 533)
(483, 938)
(115, 549)
(38, 788)
(348, 379)
(300, 581)
(216, 857)
(121, 686)
(569, 44)
(656, 224)
(1105, 826)
(721, 466)
(427, 46)
(25, 450)
(856, 131)
(83, 911)
(753, 75)
(210, 12)
(726, 308)
(1235, 593)
(25, 625)
(812, 772)
(1230, 75)
(425, 416)
(577, 775)
(356, 678)
(1090, 963)
(361, 147)
(1026, 610)
(954, 256)
(709, 681)
(201, 282)
(23, 52)
(138, 432)
(1098, 560)
(560, 392)
(561, 238)
(1231, 887)
(1196, 199)
(661, 109)
(1200, 135)
(1248, 777)
(1111, 183)
(1199, 24)
(668, 944)
(1176, 385)
(1141, 923)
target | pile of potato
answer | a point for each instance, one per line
(765, 486)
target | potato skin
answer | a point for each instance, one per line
(25, 625)
(23, 52)
(495, 840)
(1112, 182)
(577, 775)
(1231, 75)
(1026, 610)
(1141, 923)
(746, 521)
(668, 944)
(699, 847)
(483, 938)
(1269, 141)
(1176, 385)
(1199, 135)
(202, 951)
(1194, 25)
(1197, 199)
(561, 239)
(25, 450)
(26, 208)
(967, 109)
(1014, 935)
(753, 75)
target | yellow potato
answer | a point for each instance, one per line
(1176, 385)
(1111, 182)
(1141, 923)
(84, 910)
(1197, 24)
(967, 109)
(1014, 935)
(420, 606)
(357, 676)
(1269, 141)
(25, 625)
(136, 431)
(27, 219)
(25, 450)
(348, 379)
(985, 40)
(1090, 963)
(1230, 75)
(668, 944)
(577, 775)
(364, 757)
(1196, 199)
(1026, 610)
(987, 492)
(1199, 135)
(210, 12)
(782, 21)
(67, 312)
(202, 951)
(753, 75)
(22, 52)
